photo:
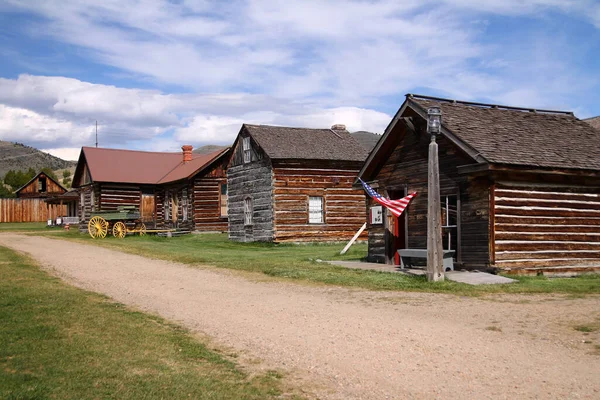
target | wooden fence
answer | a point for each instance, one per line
(29, 210)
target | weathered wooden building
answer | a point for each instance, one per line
(40, 186)
(172, 190)
(520, 188)
(294, 184)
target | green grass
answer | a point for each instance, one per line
(25, 226)
(298, 262)
(60, 342)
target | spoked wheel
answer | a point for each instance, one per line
(97, 227)
(119, 230)
(141, 229)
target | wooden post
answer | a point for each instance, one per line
(435, 270)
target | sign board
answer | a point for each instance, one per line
(376, 215)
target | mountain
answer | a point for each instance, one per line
(367, 139)
(207, 149)
(17, 156)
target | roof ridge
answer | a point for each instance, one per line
(489, 105)
(131, 151)
(288, 127)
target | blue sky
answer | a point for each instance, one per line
(156, 75)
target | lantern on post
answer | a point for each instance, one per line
(434, 121)
(435, 270)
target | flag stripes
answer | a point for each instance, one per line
(396, 207)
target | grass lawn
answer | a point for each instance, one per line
(298, 262)
(24, 226)
(60, 342)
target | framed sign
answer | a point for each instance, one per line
(376, 215)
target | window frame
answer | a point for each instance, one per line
(247, 149)
(321, 210)
(248, 211)
(223, 200)
(167, 206)
(184, 205)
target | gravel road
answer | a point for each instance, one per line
(339, 343)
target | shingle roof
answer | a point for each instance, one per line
(368, 140)
(142, 167)
(505, 135)
(281, 142)
(595, 122)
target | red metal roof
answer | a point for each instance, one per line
(142, 167)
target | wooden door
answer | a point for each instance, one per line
(148, 207)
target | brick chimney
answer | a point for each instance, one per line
(338, 127)
(187, 152)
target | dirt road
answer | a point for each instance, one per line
(342, 343)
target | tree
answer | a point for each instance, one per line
(49, 172)
(66, 173)
(5, 192)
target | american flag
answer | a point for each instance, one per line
(396, 207)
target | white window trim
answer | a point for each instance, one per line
(247, 149)
(316, 215)
(248, 211)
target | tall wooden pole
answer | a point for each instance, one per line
(435, 270)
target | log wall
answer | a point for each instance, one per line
(29, 210)
(207, 202)
(254, 180)
(549, 229)
(343, 207)
(177, 217)
(114, 195)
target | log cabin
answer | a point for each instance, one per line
(520, 188)
(184, 191)
(40, 186)
(294, 184)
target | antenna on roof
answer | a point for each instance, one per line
(96, 133)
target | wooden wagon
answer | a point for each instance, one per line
(103, 222)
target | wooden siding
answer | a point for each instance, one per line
(32, 189)
(29, 210)
(406, 169)
(343, 207)
(550, 229)
(254, 180)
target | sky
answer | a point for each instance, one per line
(159, 74)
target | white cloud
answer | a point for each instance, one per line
(22, 125)
(66, 153)
(56, 112)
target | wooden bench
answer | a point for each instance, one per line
(406, 256)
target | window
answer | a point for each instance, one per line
(449, 222)
(42, 184)
(315, 210)
(247, 150)
(167, 206)
(223, 199)
(184, 204)
(247, 211)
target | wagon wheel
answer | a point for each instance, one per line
(97, 227)
(119, 230)
(141, 229)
